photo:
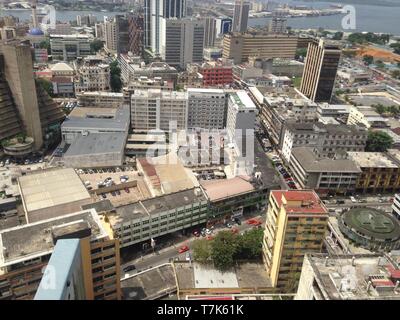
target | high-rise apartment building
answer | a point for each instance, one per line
(182, 41)
(26, 251)
(207, 108)
(240, 16)
(320, 70)
(241, 46)
(209, 32)
(174, 9)
(110, 35)
(296, 224)
(156, 109)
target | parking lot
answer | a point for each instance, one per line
(95, 179)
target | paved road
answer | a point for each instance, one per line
(165, 254)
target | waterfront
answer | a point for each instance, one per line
(372, 18)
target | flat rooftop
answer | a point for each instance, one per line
(92, 112)
(226, 188)
(299, 201)
(373, 160)
(310, 163)
(159, 204)
(97, 143)
(48, 188)
(243, 275)
(35, 239)
(242, 100)
(120, 120)
(149, 285)
(340, 278)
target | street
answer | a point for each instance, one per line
(164, 255)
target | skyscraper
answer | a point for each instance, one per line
(182, 41)
(320, 71)
(18, 70)
(155, 11)
(240, 16)
(122, 30)
(136, 33)
(209, 32)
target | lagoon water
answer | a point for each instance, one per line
(373, 18)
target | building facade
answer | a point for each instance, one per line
(320, 70)
(155, 109)
(241, 46)
(207, 108)
(240, 16)
(182, 41)
(296, 224)
(21, 267)
(69, 47)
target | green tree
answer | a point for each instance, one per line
(202, 250)
(379, 108)
(302, 52)
(378, 141)
(394, 110)
(45, 44)
(96, 45)
(224, 248)
(115, 75)
(46, 85)
(249, 245)
(338, 35)
(368, 59)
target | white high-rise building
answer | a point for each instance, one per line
(182, 41)
(207, 108)
(155, 109)
(110, 35)
(154, 12)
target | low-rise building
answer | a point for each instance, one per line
(366, 116)
(206, 282)
(325, 175)
(97, 99)
(380, 172)
(329, 138)
(69, 47)
(51, 193)
(93, 75)
(281, 105)
(152, 218)
(349, 277)
(217, 73)
(231, 198)
(353, 75)
(212, 53)
(82, 121)
(96, 150)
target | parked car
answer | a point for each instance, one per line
(127, 190)
(104, 196)
(129, 268)
(183, 249)
(196, 233)
(237, 220)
